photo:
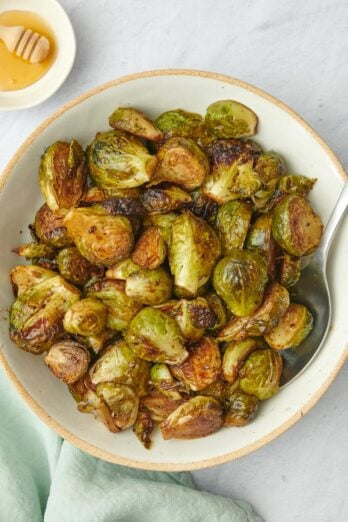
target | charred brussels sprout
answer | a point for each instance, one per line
(143, 427)
(198, 417)
(98, 194)
(234, 356)
(295, 184)
(149, 287)
(154, 336)
(267, 316)
(150, 250)
(202, 367)
(164, 222)
(119, 160)
(241, 409)
(181, 161)
(75, 268)
(296, 227)
(50, 229)
(135, 122)
(292, 329)
(193, 252)
(68, 361)
(121, 307)
(122, 403)
(25, 277)
(260, 374)
(230, 119)
(86, 317)
(218, 308)
(260, 239)
(202, 206)
(36, 317)
(232, 223)
(232, 170)
(289, 270)
(180, 123)
(217, 389)
(35, 251)
(101, 239)
(122, 270)
(240, 280)
(62, 174)
(162, 199)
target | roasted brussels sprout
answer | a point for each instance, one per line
(234, 356)
(289, 270)
(122, 402)
(121, 307)
(296, 227)
(202, 206)
(98, 194)
(154, 336)
(230, 119)
(120, 364)
(101, 239)
(35, 251)
(260, 374)
(218, 308)
(75, 268)
(24, 277)
(260, 239)
(119, 160)
(161, 199)
(202, 367)
(96, 342)
(240, 280)
(149, 287)
(68, 361)
(160, 405)
(270, 167)
(180, 123)
(197, 417)
(216, 389)
(150, 250)
(135, 122)
(292, 329)
(50, 229)
(143, 426)
(232, 223)
(62, 174)
(163, 222)
(267, 316)
(122, 270)
(86, 317)
(181, 161)
(295, 184)
(163, 381)
(232, 170)
(36, 317)
(241, 409)
(129, 207)
(193, 252)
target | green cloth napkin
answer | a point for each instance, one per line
(43, 477)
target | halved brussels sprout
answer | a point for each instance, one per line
(216, 389)
(197, 417)
(218, 308)
(36, 317)
(296, 227)
(161, 405)
(50, 229)
(260, 374)
(149, 287)
(180, 123)
(182, 293)
(202, 367)
(120, 364)
(292, 329)
(193, 252)
(260, 239)
(98, 194)
(234, 356)
(122, 402)
(161, 199)
(75, 268)
(62, 174)
(35, 250)
(135, 122)
(122, 270)
(295, 184)
(143, 426)
(232, 170)
(270, 167)
(241, 409)
(101, 239)
(121, 307)
(24, 277)
(154, 336)
(265, 318)
(289, 270)
(164, 222)
(181, 161)
(240, 280)
(150, 250)
(163, 381)
(119, 160)
(68, 361)
(86, 317)
(202, 206)
(230, 119)
(96, 342)
(232, 223)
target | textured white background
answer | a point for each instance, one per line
(298, 52)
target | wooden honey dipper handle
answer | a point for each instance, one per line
(26, 44)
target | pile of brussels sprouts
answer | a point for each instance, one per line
(160, 269)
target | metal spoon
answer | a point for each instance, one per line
(313, 291)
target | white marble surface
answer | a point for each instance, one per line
(297, 51)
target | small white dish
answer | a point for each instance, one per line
(55, 16)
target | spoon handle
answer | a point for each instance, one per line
(333, 223)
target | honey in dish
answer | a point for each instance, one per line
(15, 73)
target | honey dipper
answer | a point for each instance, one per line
(25, 43)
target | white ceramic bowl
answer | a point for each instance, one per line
(55, 16)
(154, 92)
